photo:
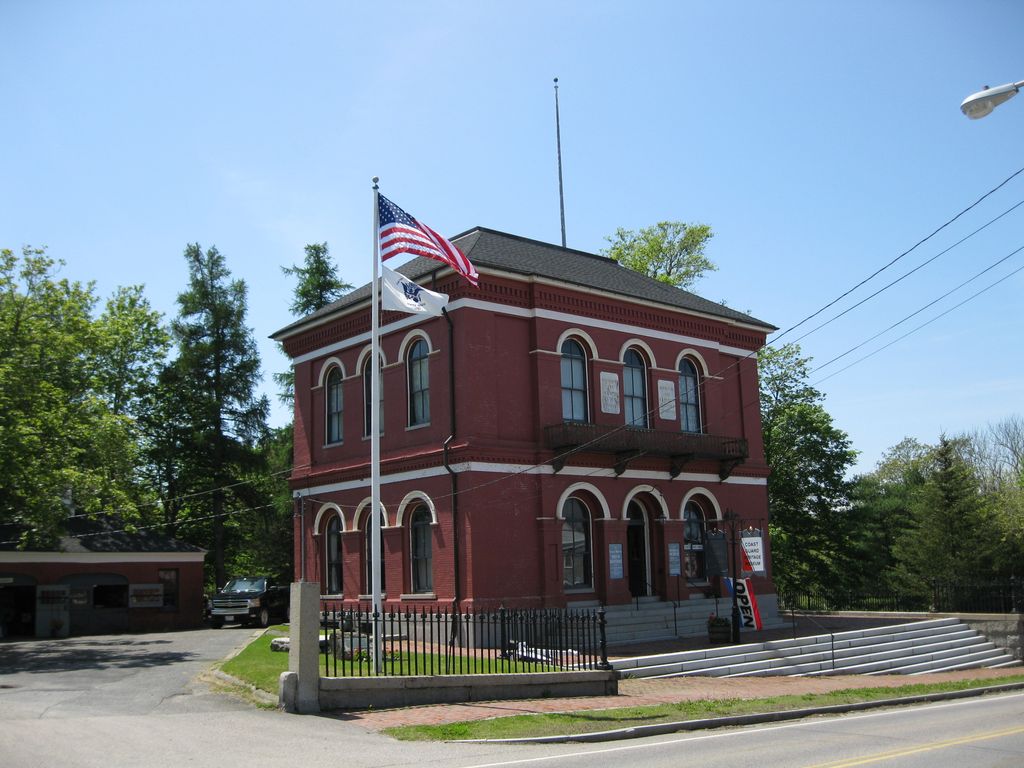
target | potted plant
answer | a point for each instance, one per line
(719, 629)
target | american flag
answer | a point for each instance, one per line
(401, 233)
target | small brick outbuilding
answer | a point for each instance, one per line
(100, 578)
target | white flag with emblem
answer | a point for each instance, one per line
(401, 294)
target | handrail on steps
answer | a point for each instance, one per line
(831, 634)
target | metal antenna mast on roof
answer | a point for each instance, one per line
(558, 140)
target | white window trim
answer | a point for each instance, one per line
(574, 490)
(412, 500)
(358, 522)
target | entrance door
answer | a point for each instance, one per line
(52, 610)
(636, 551)
(17, 606)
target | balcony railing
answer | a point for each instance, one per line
(629, 443)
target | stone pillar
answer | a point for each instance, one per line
(300, 685)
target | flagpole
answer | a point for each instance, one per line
(375, 563)
(558, 140)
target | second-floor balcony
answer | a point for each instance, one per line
(630, 443)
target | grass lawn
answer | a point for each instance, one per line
(257, 664)
(521, 726)
(261, 667)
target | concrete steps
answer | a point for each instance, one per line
(915, 648)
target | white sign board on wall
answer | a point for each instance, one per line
(667, 400)
(609, 392)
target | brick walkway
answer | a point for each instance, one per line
(642, 692)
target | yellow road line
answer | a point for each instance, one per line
(916, 750)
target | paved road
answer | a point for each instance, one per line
(132, 700)
(976, 733)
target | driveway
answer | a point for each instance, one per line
(134, 700)
(114, 674)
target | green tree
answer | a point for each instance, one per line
(217, 371)
(318, 282)
(669, 251)
(318, 285)
(953, 535)
(63, 448)
(808, 494)
(133, 345)
(882, 508)
(1008, 517)
(266, 532)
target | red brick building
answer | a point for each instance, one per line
(600, 426)
(99, 579)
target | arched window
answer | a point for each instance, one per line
(334, 406)
(693, 541)
(421, 550)
(574, 382)
(367, 549)
(368, 398)
(332, 569)
(689, 396)
(576, 572)
(634, 374)
(419, 384)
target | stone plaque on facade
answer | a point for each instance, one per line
(609, 392)
(667, 400)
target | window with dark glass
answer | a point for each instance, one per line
(421, 546)
(574, 382)
(634, 386)
(333, 584)
(334, 406)
(169, 578)
(419, 384)
(575, 545)
(689, 396)
(693, 541)
(110, 596)
(367, 549)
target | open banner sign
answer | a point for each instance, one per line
(750, 616)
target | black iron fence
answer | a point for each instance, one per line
(935, 596)
(357, 642)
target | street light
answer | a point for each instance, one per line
(979, 104)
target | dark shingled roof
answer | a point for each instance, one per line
(492, 250)
(105, 534)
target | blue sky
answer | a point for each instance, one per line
(819, 140)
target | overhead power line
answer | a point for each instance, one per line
(920, 242)
(907, 274)
(916, 312)
(925, 324)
